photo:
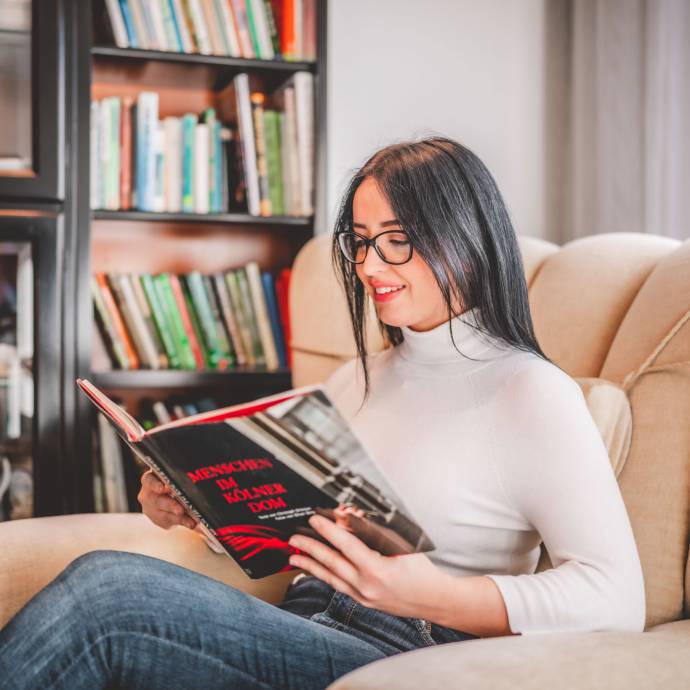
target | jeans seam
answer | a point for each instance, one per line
(348, 617)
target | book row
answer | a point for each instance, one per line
(264, 29)
(236, 318)
(198, 164)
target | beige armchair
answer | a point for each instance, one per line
(604, 307)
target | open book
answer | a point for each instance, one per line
(253, 474)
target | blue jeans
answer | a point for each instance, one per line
(120, 620)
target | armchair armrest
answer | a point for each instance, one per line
(582, 661)
(33, 552)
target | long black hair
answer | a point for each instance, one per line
(450, 206)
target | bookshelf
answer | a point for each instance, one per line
(176, 242)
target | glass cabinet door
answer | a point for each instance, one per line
(31, 118)
(16, 380)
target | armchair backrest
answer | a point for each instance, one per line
(600, 306)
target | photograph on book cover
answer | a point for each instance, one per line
(253, 474)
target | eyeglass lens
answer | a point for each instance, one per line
(395, 247)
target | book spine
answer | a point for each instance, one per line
(287, 44)
(246, 128)
(172, 164)
(282, 294)
(230, 28)
(257, 101)
(111, 336)
(182, 24)
(122, 291)
(246, 297)
(158, 182)
(169, 303)
(226, 352)
(159, 318)
(293, 179)
(276, 329)
(205, 317)
(201, 168)
(188, 139)
(113, 190)
(104, 124)
(196, 326)
(243, 28)
(304, 101)
(212, 27)
(144, 309)
(221, 26)
(126, 153)
(251, 22)
(229, 317)
(262, 31)
(129, 24)
(117, 23)
(263, 323)
(274, 166)
(113, 471)
(172, 30)
(189, 22)
(186, 321)
(241, 316)
(197, 17)
(95, 158)
(117, 321)
(209, 118)
(139, 24)
(272, 28)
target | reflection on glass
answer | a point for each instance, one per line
(15, 87)
(16, 380)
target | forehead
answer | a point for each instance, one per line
(370, 205)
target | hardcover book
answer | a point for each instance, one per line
(253, 474)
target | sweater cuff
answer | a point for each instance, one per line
(515, 604)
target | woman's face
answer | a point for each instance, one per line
(418, 303)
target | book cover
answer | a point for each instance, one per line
(276, 328)
(253, 474)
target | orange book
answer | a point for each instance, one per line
(186, 320)
(118, 323)
(288, 35)
(126, 153)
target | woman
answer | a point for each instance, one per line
(488, 443)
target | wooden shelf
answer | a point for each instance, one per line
(236, 64)
(173, 378)
(235, 218)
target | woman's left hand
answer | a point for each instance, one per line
(408, 585)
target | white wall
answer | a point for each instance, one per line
(472, 70)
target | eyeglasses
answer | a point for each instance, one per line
(393, 246)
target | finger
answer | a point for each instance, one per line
(169, 505)
(315, 568)
(352, 547)
(151, 481)
(328, 557)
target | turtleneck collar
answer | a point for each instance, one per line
(436, 347)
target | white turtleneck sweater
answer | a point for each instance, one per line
(492, 455)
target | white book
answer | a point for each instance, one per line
(117, 23)
(262, 319)
(159, 162)
(157, 14)
(136, 324)
(292, 153)
(161, 412)
(304, 103)
(104, 148)
(201, 169)
(112, 173)
(262, 31)
(243, 28)
(145, 164)
(246, 127)
(113, 472)
(95, 156)
(172, 166)
(187, 43)
(137, 14)
(197, 17)
(299, 29)
(230, 28)
(147, 8)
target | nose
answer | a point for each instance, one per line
(372, 263)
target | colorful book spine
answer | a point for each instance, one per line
(206, 321)
(248, 307)
(257, 104)
(178, 294)
(117, 321)
(126, 153)
(189, 122)
(159, 318)
(110, 333)
(241, 317)
(229, 317)
(225, 348)
(276, 328)
(274, 164)
(260, 310)
(173, 317)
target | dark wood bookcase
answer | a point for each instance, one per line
(72, 65)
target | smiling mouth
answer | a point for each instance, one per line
(387, 294)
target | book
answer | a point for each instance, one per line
(253, 474)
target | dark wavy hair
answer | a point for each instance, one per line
(450, 206)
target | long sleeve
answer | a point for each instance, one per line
(556, 472)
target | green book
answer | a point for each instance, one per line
(167, 300)
(246, 297)
(252, 29)
(240, 317)
(204, 313)
(196, 326)
(225, 347)
(160, 321)
(274, 163)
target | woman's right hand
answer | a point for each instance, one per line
(159, 505)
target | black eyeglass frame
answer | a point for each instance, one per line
(372, 243)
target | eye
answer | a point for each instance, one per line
(400, 243)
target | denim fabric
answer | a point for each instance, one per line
(121, 620)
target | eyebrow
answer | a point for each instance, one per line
(385, 224)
